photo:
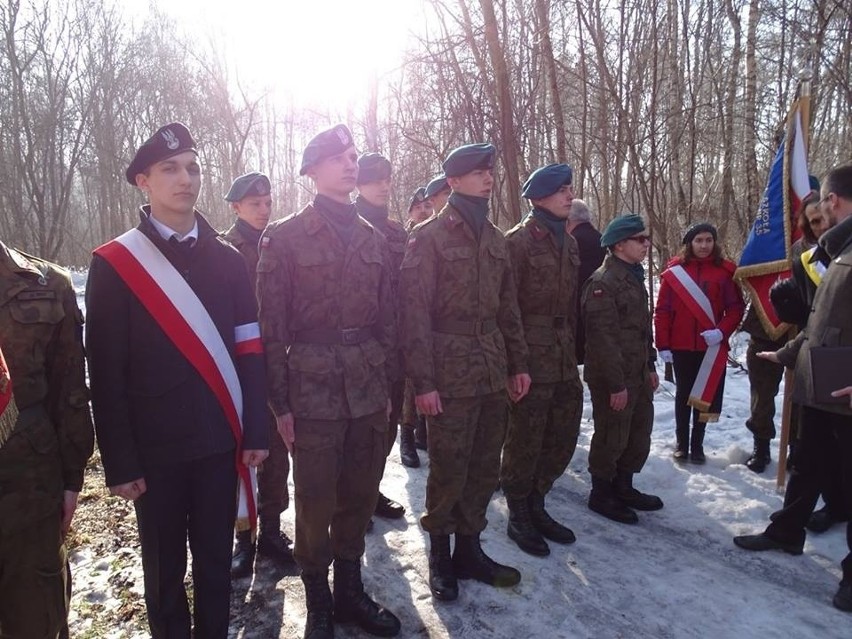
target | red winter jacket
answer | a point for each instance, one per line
(675, 328)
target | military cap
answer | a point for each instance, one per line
(418, 196)
(373, 167)
(813, 183)
(621, 228)
(437, 185)
(253, 183)
(326, 144)
(547, 180)
(700, 227)
(468, 158)
(168, 141)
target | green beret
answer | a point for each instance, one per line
(547, 180)
(700, 227)
(324, 145)
(373, 167)
(469, 157)
(168, 141)
(418, 196)
(621, 228)
(254, 183)
(436, 186)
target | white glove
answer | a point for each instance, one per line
(713, 336)
(666, 357)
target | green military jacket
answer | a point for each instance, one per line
(307, 280)
(247, 249)
(40, 334)
(619, 348)
(547, 279)
(460, 325)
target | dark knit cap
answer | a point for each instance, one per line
(700, 227)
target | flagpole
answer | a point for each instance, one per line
(805, 76)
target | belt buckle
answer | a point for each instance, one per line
(349, 336)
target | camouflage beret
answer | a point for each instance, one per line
(621, 228)
(373, 167)
(468, 158)
(168, 141)
(436, 186)
(253, 183)
(547, 180)
(326, 144)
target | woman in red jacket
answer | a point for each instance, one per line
(698, 308)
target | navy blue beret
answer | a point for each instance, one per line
(547, 180)
(700, 227)
(326, 144)
(373, 167)
(254, 183)
(418, 196)
(813, 182)
(169, 140)
(436, 186)
(468, 158)
(621, 228)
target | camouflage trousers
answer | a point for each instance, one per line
(464, 463)
(622, 439)
(337, 465)
(273, 496)
(541, 438)
(33, 581)
(397, 398)
(764, 378)
(409, 409)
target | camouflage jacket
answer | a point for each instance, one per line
(309, 281)
(547, 279)
(460, 326)
(247, 249)
(41, 337)
(619, 350)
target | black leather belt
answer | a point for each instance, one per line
(546, 321)
(457, 327)
(332, 336)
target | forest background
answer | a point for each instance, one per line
(668, 108)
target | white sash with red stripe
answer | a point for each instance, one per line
(712, 369)
(178, 311)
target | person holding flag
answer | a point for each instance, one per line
(178, 386)
(698, 309)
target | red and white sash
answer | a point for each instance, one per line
(178, 311)
(712, 369)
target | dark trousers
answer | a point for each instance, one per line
(822, 436)
(764, 378)
(337, 465)
(195, 500)
(686, 366)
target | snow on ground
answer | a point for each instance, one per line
(675, 574)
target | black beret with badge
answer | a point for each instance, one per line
(254, 183)
(324, 145)
(469, 157)
(373, 167)
(168, 141)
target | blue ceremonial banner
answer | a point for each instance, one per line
(767, 244)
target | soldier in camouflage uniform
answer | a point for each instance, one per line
(463, 343)
(250, 197)
(46, 438)
(374, 188)
(543, 427)
(620, 371)
(329, 333)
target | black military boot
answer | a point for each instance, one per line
(274, 544)
(388, 508)
(242, 560)
(681, 453)
(760, 456)
(352, 605)
(421, 438)
(696, 447)
(547, 525)
(522, 531)
(407, 449)
(471, 562)
(623, 489)
(442, 574)
(320, 623)
(603, 501)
